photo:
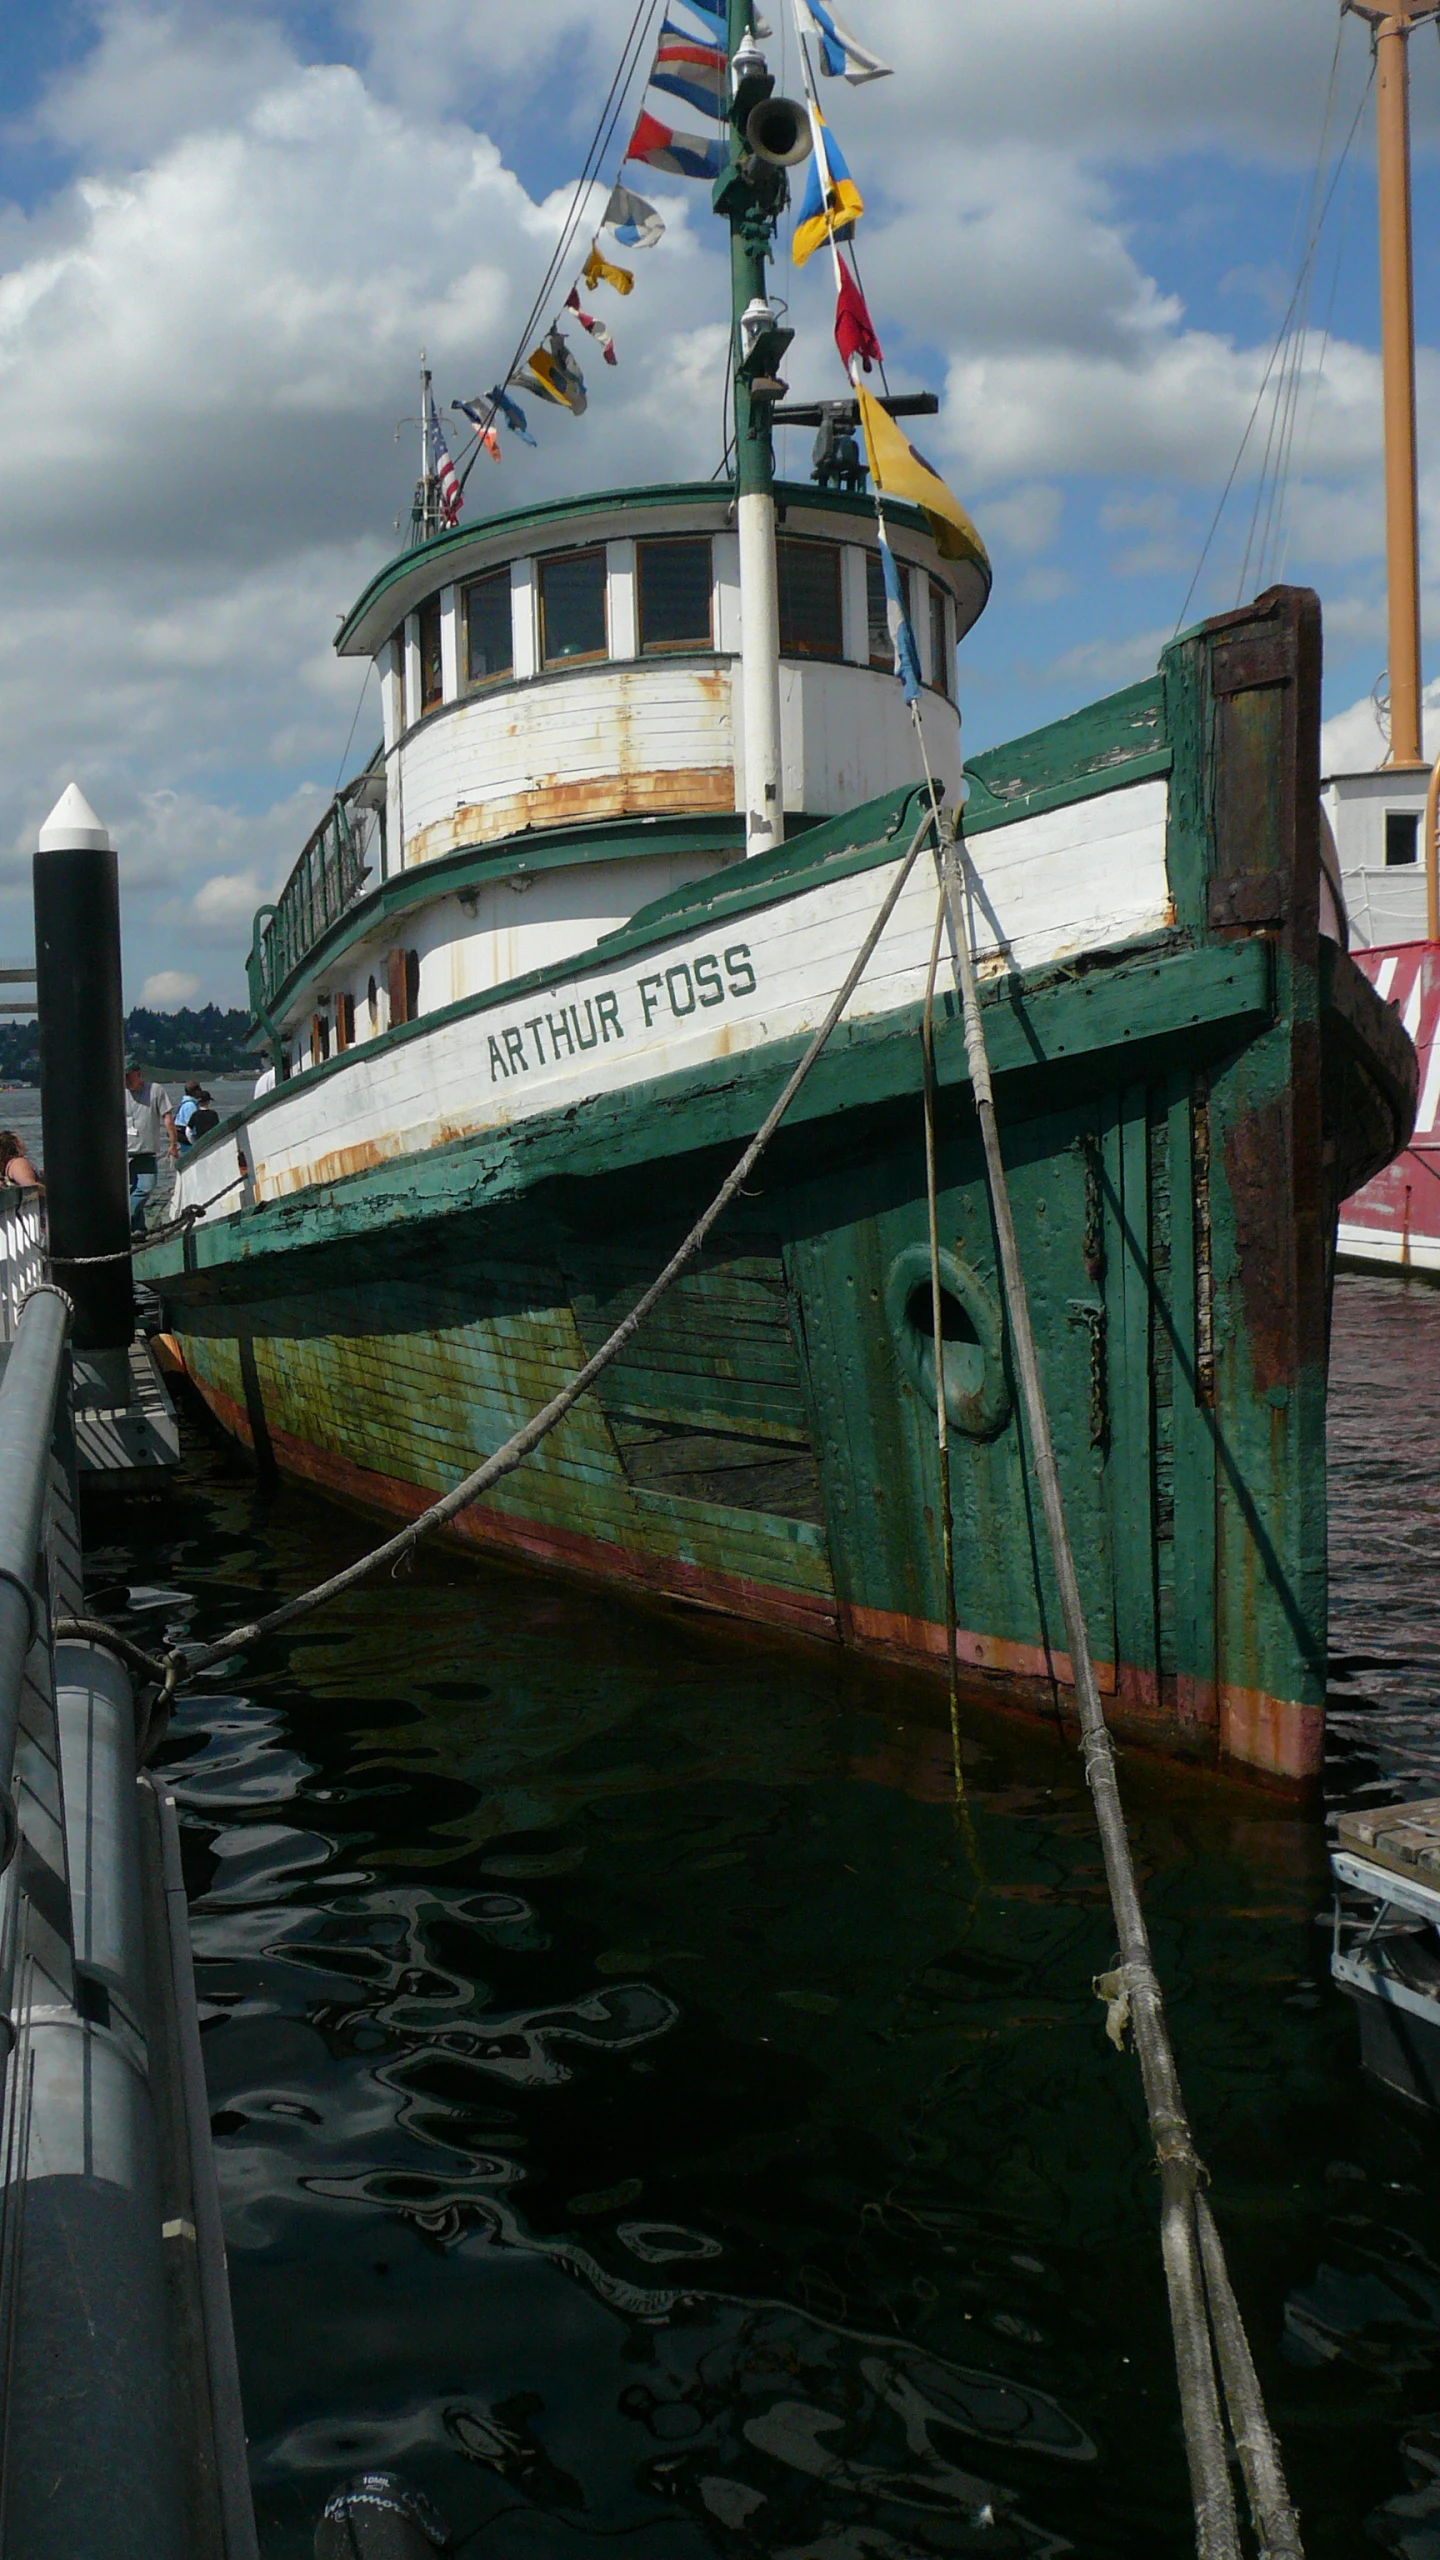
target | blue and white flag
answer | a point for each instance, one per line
(902, 637)
(841, 54)
(500, 404)
(635, 223)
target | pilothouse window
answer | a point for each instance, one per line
(939, 652)
(1402, 836)
(572, 607)
(489, 632)
(675, 580)
(877, 615)
(432, 675)
(810, 618)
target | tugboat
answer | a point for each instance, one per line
(646, 775)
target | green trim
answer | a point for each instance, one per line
(1104, 749)
(1124, 737)
(444, 548)
(1217, 997)
(475, 866)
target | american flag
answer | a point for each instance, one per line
(446, 477)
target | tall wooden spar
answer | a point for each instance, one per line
(1392, 32)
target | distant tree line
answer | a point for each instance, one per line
(209, 1040)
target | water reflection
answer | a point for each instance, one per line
(645, 2114)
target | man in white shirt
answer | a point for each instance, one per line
(149, 1116)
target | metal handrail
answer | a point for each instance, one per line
(327, 878)
(28, 1392)
(22, 1252)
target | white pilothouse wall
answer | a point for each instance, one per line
(1375, 819)
(629, 731)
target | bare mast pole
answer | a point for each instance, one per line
(1392, 28)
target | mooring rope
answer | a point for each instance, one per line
(937, 1336)
(1196, 2277)
(520, 1444)
(1202, 2300)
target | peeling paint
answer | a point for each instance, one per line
(553, 800)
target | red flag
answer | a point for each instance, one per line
(854, 328)
(597, 328)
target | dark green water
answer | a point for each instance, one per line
(646, 2118)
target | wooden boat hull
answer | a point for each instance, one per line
(1182, 1106)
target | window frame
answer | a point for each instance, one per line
(646, 543)
(813, 542)
(431, 607)
(884, 664)
(471, 683)
(942, 664)
(1402, 827)
(545, 560)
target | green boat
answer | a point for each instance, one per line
(646, 776)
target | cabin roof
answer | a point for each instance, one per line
(405, 581)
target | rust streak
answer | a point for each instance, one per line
(684, 791)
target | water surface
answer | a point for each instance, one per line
(648, 2117)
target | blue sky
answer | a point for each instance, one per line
(225, 233)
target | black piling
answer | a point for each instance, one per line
(82, 1071)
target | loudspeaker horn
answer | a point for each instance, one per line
(778, 130)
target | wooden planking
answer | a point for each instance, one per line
(605, 726)
(395, 1100)
(1203, 1000)
(708, 1396)
(1090, 746)
(407, 1381)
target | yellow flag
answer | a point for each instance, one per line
(898, 471)
(598, 270)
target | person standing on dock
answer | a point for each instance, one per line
(15, 1165)
(189, 1105)
(148, 1113)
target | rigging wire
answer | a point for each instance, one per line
(1273, 360)
(1297, 352)
(354, 725)
(1325, 337)
(1307, 228)
(631, 53)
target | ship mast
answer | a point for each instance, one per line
(1392, 29)
(750, 192)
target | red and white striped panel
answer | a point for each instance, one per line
(1395, 1220)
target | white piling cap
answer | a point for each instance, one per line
(72, 826)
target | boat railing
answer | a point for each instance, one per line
(328, 878)
(22, 1253)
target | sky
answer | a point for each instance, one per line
(227, 231)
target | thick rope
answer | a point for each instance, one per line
(1190, 2275)
(520, 1444)
(152, 1714)
(937, 1335)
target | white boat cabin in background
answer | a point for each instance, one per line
(1376, 820)
(564, 743)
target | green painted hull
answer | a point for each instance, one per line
(1180, 1125)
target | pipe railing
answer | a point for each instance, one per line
(22, 1253)
(28, 1393)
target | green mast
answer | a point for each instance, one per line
(750, 193)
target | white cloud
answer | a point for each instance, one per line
(1028, 519)
(230, 898)
(168, 988)
(206, 341)
(1357, 739)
